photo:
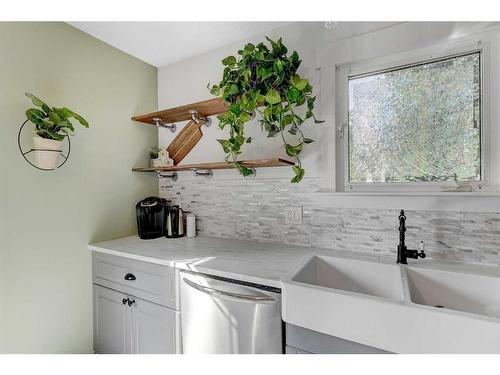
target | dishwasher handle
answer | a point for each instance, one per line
(212, 291)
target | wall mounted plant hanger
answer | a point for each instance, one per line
(45, 158)
(52, 126)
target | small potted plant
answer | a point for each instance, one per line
(52, 124)
(153, 154)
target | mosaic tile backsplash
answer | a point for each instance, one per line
(254, 210)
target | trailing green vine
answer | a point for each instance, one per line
(264, 81)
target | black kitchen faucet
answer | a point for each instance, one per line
(403, 252)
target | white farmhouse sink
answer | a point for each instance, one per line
(455, 291)
(361, 277)
(393, 307)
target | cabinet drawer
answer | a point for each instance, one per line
(152, 282)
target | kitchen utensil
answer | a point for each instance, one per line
(184, 142)
(175, 223)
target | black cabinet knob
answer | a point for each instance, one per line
(130, 303)
(129, 277)
(125, 300)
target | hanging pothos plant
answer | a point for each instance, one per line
(265, 81)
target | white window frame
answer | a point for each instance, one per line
(379, 64)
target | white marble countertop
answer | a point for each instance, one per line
(258, 262)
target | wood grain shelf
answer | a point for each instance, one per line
(260, 163)
(205, 108)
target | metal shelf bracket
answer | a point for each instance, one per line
(161, 124)
(203, 172)
(173, 175)
(207, 121)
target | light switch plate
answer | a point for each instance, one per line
(293, 215)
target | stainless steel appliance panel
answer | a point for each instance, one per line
(223, 317)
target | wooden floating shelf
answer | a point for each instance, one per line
(261, 163)
(204, 108)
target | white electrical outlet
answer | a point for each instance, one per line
(293, 215)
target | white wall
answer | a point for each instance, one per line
(47, 219)
(321, 50)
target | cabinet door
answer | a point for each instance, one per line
(112, 322)
(153, 328)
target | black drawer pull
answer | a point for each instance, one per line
(129, 277)
(130, 303)
(125, 300)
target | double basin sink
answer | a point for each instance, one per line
(398, 308)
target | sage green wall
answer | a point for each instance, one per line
(48, 218)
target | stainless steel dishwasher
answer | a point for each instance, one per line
(223, 316)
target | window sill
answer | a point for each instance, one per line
(412, 193)
(411, 200)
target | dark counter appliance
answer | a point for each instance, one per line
(174, 227)
(151, 218)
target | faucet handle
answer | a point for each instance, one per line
(422, 248)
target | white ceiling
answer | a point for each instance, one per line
(162, 43)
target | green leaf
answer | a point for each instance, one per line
(249, 47)
(35, 116)
(282, 48)
(228, 61)
(235, 108)
(245, 117)
(274, 45)
(264, 72)
(273, 97)
(233, 89)
(35, 100)
(66, 124)
(292, 94)
(310, 102)
(299, 174)
(215, 90)
(301, 84)
(298, 120)
(47, 123)
(308, 140)
(286, 120)
(278, 66)
(54, 117)
(46, 108)
(53, 135)
(65, 113)
(293, 150)
(243, 170)
(225, 145)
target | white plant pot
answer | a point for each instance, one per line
(47, 159)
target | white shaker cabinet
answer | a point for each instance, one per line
(135, 307)
(112, 322)
(153, 328)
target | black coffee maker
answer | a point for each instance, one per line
(151, 218)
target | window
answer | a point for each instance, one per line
(416, 123)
